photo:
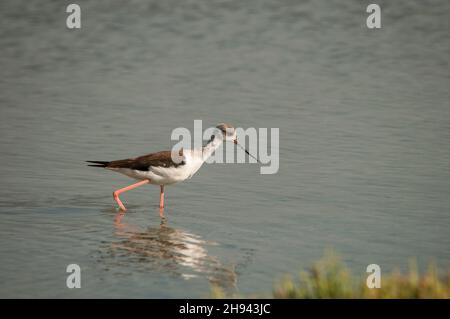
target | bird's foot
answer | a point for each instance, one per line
(119, 202)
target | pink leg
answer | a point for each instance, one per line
(120, 191)
(161, 202)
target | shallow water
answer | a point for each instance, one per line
(364, 122)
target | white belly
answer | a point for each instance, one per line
(164, 175)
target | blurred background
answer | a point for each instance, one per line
(364, 122)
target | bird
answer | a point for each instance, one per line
(167, 167)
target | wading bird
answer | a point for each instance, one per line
(166, 167)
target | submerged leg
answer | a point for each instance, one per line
(161, 202)
(120, 191)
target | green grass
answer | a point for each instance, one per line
(330, 278)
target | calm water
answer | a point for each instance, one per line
(364, 122)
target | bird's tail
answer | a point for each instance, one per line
(98, 163)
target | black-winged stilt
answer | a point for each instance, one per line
(161, 169)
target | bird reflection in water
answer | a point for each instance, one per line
(169, 250)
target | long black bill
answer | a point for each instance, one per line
(236, 142)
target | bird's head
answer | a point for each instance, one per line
(228, 133)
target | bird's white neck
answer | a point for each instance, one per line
(210, 147)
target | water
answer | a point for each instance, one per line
(364, 122)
